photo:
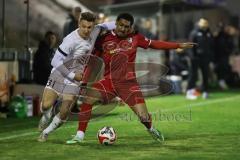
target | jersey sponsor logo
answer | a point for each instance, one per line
(114, 47)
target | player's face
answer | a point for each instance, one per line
(123, 28)
(85, 28)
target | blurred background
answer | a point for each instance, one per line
(31, 30)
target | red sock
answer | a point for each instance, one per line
(84, 116)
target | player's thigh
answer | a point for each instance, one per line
(66, 105)
(92, 95)
(49, 97)
(67, 102)
(68, 97)
(130, 93)
(101, 90)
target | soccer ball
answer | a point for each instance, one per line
(106, 135)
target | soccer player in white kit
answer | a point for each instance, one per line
(68, 64)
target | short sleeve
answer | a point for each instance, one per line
(66, 46)
(108, 25)
(143, 42)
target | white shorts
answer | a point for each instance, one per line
(60, 85)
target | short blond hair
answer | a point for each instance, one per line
(88, 16)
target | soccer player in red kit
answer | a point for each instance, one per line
(118, 50)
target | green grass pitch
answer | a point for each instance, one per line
(201, 129)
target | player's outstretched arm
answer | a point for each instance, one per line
(155, 44)
(108, 25)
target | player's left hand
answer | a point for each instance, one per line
(186, 45)
(78, 76)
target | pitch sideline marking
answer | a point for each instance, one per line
(33, 133)
(18, 135)
(206, 103)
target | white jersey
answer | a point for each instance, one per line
(73, 47)
(72, 55)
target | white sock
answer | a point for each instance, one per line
(56, 122)
(46, 115)
(80, 134)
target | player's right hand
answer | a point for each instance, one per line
(187, 45)
(78, 76)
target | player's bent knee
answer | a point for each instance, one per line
(63, 117)
(46, 105)
(90, 100)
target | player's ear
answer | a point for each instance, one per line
(93, 24)
(131, 30)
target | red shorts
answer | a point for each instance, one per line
(128, 90)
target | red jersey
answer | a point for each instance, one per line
(119, 53)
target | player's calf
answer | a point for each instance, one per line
(56, 123)
(146, 120)
(45, 119)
